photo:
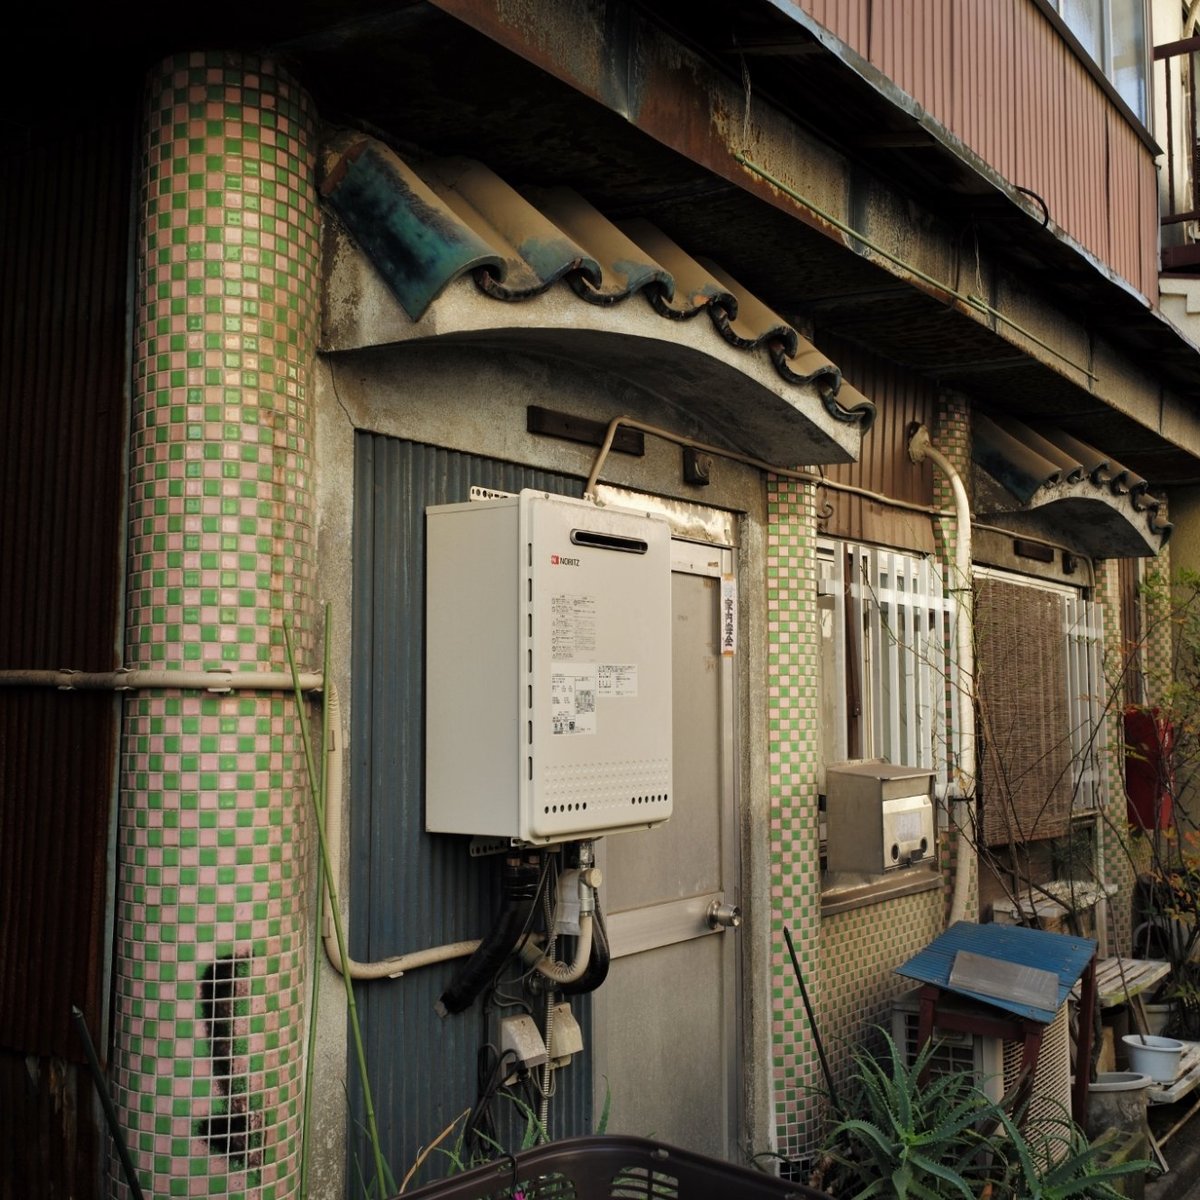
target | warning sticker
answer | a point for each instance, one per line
(573, 689)
(572, 627)
(617, 679)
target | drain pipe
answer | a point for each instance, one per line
(921, 448)
(388, 968)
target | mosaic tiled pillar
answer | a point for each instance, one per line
(952, 437)
(1158, 651)
(213, 808)
(1122, 852)
(793, 715)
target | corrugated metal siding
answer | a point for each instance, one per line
(411, 889)
(63, 272)
(1000, 77)
(64, 214)
(884, 465)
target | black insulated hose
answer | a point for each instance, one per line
(520, 889)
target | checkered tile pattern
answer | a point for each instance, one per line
(213, 807)
(860, 951)
(795, 866)
(849, 959)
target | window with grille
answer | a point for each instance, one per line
(1040, 701)
(886, 632)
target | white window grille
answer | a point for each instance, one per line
(887, 635)
(1084, 638)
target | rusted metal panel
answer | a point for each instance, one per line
(64, 218)
(1000, 77)
(884, 466)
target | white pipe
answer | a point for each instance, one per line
(966, 866)
(129, 679)
(388, 968)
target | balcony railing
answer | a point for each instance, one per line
(1181, 200)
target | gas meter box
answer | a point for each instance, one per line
(878, 817)
(547, 668)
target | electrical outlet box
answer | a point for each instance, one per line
(548, 669)
(520, 1034)
(566, 1038)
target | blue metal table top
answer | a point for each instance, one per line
(1064, 955)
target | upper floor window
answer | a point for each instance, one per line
(1113, 32)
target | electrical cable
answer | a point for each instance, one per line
(547, 879)
(519, 894)
(480, 1135)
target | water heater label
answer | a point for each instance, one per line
(617, 679)
(572, 626)
(573, 688)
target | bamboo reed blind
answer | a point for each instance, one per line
(1026, 767)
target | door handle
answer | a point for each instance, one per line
(724, 916)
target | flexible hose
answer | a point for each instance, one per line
(598, 962)
(559, 972)
(520, 894)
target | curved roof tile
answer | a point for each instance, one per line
(1058, 480)
(424, 226)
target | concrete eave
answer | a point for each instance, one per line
(728, 396)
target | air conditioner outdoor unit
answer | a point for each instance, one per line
(995, 1063)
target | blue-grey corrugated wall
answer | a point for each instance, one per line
(411, 889)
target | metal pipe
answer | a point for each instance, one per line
(132, 679)
(387, 968)
(920, 448)
(589, 489)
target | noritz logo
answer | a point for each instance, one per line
(559, 560)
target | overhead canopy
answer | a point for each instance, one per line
(567, 278)
(1043, 482)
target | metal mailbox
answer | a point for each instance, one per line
(878, 817)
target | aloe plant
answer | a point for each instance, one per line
(1074, 1169)
(908, 1140)
(899, 1137)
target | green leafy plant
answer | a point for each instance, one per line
(945, 1137)
(1059, 1165)
(908, 1140)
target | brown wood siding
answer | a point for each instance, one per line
(1000, 77)
(64, 217)
(884, 466)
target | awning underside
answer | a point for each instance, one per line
(1046, 483)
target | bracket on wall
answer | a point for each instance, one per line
(582, 429)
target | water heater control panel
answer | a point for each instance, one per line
(548, 669)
